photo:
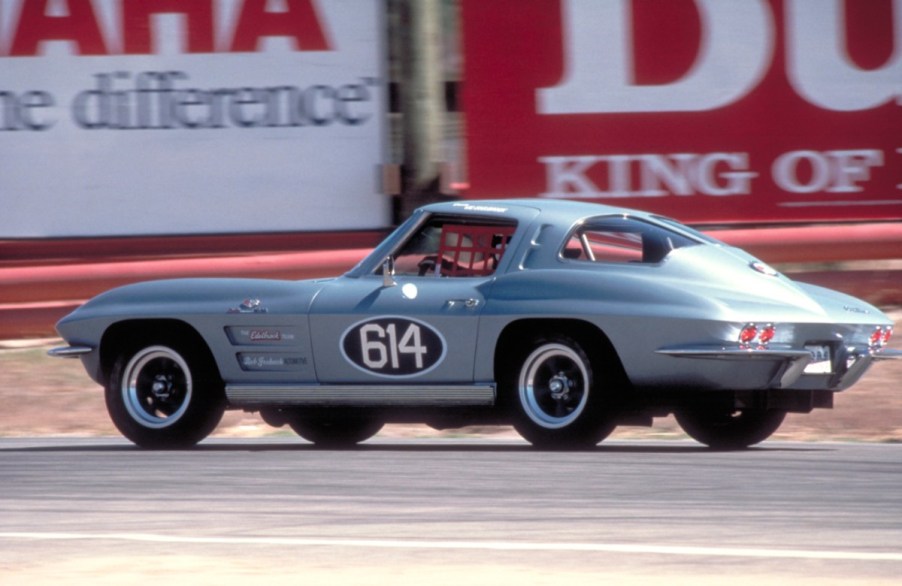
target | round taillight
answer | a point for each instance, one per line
(876, 337)
(748, 334)
(887, 334)
(767, 334)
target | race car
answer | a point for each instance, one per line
(564, 319)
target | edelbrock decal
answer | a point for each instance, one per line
(393, 346)
(263, 335)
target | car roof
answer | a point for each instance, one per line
(554, 211)
(557, 216)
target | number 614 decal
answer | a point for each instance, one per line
(393, 346)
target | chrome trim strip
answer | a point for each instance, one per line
(70, 351)
(362, 396)
(887, 354)
(720, 353)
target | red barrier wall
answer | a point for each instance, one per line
(33, 298)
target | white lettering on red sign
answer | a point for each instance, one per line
(830, 171)
(821, 71)
(736, 50)
(715, 174)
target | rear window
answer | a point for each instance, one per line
(701, 236)
(622, 240)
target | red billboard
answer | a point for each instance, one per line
(706, 110)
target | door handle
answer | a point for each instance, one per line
(468, 303)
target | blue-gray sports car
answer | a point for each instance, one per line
(564, 319)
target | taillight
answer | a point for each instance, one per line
(880, 337)
(876, 339)
(755, 336)
(748, 334)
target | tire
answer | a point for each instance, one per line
(165, 395)
(723, 430)
(335, 432)
(557, 401)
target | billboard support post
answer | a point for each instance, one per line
(422, 102)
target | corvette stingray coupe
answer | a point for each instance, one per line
(564, 319)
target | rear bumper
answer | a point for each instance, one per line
(786, 368)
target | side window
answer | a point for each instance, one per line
(454, 248)
(621, 240)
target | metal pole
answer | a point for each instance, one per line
(422, 102)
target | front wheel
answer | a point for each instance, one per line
(559, 403)
(163, 395)
(724, 430)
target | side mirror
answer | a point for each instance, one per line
(388, 272)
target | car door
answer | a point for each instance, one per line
(418, 328)
(418, 320)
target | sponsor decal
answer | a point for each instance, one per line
(249, 305)
(393, 346)
(469, 207)
(263, 335)
(271, 362)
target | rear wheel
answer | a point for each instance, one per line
(725, 430)
(335, 432)
(558, 402)
(164, 394)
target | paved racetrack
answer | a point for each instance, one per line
(448, 512)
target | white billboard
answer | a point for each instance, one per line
(146, 117)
